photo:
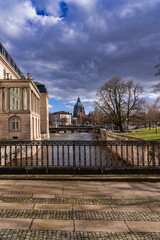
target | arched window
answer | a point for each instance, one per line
(15, 124)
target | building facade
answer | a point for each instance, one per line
(61, 118)
(23, 106)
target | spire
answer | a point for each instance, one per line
(78, 100)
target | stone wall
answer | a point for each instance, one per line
(136, 154)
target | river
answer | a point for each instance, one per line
(73, 136)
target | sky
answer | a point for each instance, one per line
(75, 46)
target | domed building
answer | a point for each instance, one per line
(78, 109)
(78, 113)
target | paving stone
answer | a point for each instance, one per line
(75, 193)
(143, 193)
(43, 196)
(131, 208)
(9, 194)
(143, 226)
(14, 223)
(91, 208)
(41, 190)
(117, 196)
(97, 196)
(43, 224)
(16, 206)
(69, 196)
(8, 182)
(53, 207)
(29, 182)
(60, 183)
(104, 226)
(155, 209)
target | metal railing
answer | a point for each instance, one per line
(80, 154)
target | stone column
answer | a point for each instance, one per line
(28, 99)
(8, 99)
(1, 92)
(21, 99)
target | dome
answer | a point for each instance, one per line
(78, 104)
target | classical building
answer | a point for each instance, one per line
(61, 118)
(23, 104)
(78, 112)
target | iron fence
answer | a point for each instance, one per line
(80, 154)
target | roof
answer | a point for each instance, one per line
(62, 112)
(78, 104)
(12, 63)
(41, 87)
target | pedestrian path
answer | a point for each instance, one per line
(94, 210)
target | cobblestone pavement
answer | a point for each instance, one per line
(63, 235)
(81, 215)
(89, 210)
(118, 202)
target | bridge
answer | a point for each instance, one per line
(72, 129)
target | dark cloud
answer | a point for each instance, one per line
(75, 46)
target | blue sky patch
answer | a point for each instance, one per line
(64, 8)
(42, 12)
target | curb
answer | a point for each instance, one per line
(126, 178)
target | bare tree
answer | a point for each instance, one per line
(98, 117)
(156, 88)
(119, 100)
(153, 114)
(158, 68)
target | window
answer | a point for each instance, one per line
(4, 99)
(15, 98)
(24, 98)
(15, 124)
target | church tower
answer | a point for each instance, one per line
(78, 109)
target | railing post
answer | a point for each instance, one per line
(74, 155)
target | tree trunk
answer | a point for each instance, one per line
(120, 127)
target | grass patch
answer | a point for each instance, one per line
(149, 135)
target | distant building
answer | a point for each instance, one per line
(23, 105)
(78, 109)
(61, 118)
(78, 113)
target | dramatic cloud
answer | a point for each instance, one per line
(75, 46)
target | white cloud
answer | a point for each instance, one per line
(50, 106)
(131, 7)
(152, 96)
(18, 18)
(84, 3)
